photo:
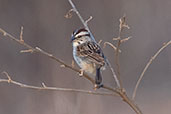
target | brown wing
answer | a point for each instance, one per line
(92, 51)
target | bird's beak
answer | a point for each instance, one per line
(72, 38)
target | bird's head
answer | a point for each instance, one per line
(80, 36)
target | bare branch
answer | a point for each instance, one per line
(99, 42)
(44, 87)
(119, 92)
(81, 19)
(26, 51)
(116, 39)
(125, 98)
(21, 35)
(89, 19)
(69, 14)
(114, 75)
(126, 39)
(110, 66)
(9, 78)
(38, 50)
(73, 64)
(117, 64)
(43, 84)
(110, 44)
(147, 66)
(122, 25)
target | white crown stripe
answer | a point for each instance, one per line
(81, 33)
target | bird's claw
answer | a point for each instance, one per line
(81, 72)
(98, 86)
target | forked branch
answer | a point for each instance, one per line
(147, 66)
(44, 87)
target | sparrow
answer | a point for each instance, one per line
(88, 55)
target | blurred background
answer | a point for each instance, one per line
(46, 27)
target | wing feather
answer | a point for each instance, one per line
(92, 51)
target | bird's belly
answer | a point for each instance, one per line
(85, 65)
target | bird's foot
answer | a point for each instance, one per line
(98, 86)
(81, 72)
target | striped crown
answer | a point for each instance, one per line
(79, 33)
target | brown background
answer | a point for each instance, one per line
(45, 27)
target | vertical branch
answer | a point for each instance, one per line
(122, 25)
(115, 76)
(117, 63)
(147, 66)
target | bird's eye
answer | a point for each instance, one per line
(79, 36)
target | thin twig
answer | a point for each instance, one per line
(110, 44)
(122, 25)
(126, 39)
(110, 66)
(69, 14)
(44, 87)
(147, 66)
(118, 65)
(88, 20)
(21, 35)
(99, 42)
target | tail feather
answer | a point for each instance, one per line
(98, 78)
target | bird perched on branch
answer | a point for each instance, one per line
(88, 55)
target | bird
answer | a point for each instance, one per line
(88, 55)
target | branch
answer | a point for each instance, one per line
(81, 19)
(122, 25)
(44, 87)
(110, 44)
(38, 50)
(147, 66)
(63, 64)
(118, 82)
(125, 98)
(121, 92)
